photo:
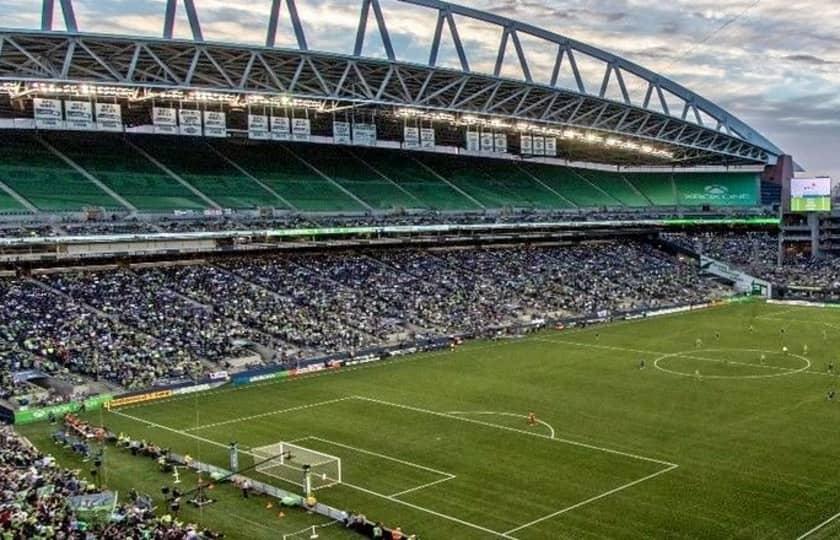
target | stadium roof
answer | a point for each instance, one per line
(651, 112)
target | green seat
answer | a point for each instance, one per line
(657, 187)
(196, 163)
(119, 166)
(617, 186)
(46, 181)
(402, 168)
(290, 177)
(571, 184)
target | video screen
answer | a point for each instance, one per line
(810, 195)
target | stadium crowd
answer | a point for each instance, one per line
(34, 503)
(757, 254)
(134, 327)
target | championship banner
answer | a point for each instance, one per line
(411, 137)
(49, 113)
(281, 128)
(539, 146)
(472, 141)
(341, 132)
(190, 120)
(165, 120)
(79, 115)
(258, 127)
(526, 144)
(500, 144)
(551, 146)
(427, 137)
(215, 124)
(301, 129)
(109, 117)
(364, 134)
(486, 141)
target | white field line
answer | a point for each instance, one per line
(422, 486)
(516, 430)
(818, 527)
(693, 357)
(428, 511)
(269, 413)
(798, 321)
(513, 415)
(381, 456)
(591, 499)
(352, 486)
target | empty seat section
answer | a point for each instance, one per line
(196, 163)
(10, 205)
(123, 169)
(717, 189)
(292, 179)
(615, 184)
(356, 177)
(657, 187)
(571, 185)
(516, 180)
(493, 190)
(429, 189)
(46, 181)
(771, 193)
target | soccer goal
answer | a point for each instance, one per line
(288, 462)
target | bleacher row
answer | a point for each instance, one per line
(61, 172)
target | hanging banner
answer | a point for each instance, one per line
(301, 129)
(190, 120)
(79, 116)
(411, 137)
(109, 117)
(551, 146)
(48, 113)
(165, 120)
(215, 124)
(526, 144)
(427, 137)
(281, 128)
(539, 146)
(486, 141)
(364, 134)
(258, 129)
(500, 144)
(472, 141)
(341, 132)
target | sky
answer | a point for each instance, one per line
(773, 63)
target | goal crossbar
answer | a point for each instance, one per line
(288, 462)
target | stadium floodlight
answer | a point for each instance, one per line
(293, 464)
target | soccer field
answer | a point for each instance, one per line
(725, 437)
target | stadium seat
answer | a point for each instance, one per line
(46, 181)
(128, 173)
(572, 185)
(196, 163)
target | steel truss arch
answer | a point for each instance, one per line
(695, 125)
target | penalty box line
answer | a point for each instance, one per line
(391, 498)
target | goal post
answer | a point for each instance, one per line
(289, 462)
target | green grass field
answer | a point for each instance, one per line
(728, 438)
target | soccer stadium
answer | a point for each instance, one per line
(278, 290)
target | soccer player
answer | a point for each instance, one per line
(831, 394)
(805, 349)
(642, 364)
(698, 343)
(763, 358)
(831, 367)
(717, 335)
(532, 419)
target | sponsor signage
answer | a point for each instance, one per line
(472, 141)
(78, 115)
(301, 129)
(138, 398)
(215, 124)
(49, 113)
(190, 122)
(411, 137)
(551, 146)
(486, 141)
(364, 134)
(427, 137)
(526, 144)
(281, 128)
(539, 146)
(500, 143)
(341, 132)
(743, 283)
(36, 415)
(258, 127)
(165, 120)
(109, 117)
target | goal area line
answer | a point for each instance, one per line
(666, 465)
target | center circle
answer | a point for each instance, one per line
(697, 355)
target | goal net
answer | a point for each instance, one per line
(286, 461)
